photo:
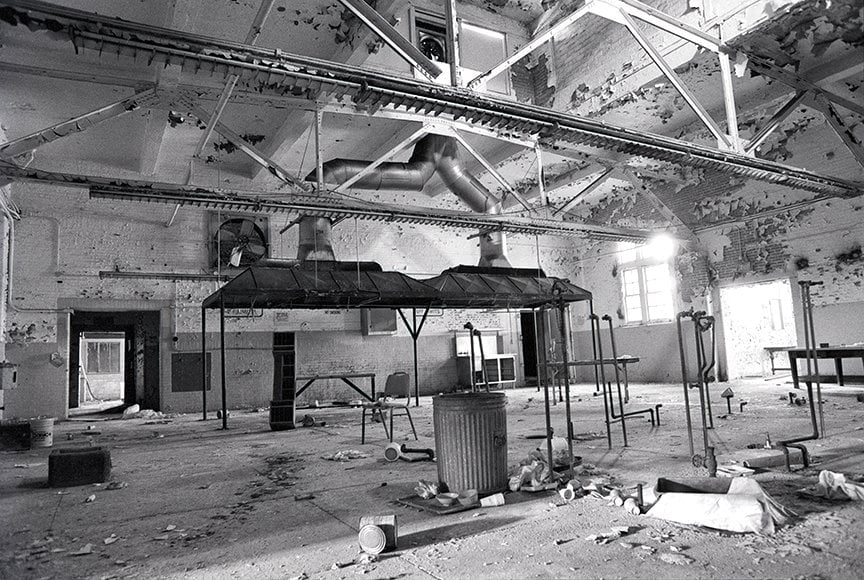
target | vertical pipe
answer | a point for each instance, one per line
(548, 413)
(562, 309)
(222, 354)
(473, 369)
(536, 345)
(594, 350)
(617, 379)
(595, 320)
(204, 363)
(416, 374)
(700, 362)
(809, 310)
(684, 379)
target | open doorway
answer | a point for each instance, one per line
(113, 360)
(102, 372)
(528, 323)
(756, 317)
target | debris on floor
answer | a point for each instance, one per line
(606, 537)
(346, 455)
(833, 485)
(736, 505)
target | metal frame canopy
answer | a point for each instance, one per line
(320, 285)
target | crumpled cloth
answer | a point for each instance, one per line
(833, 485)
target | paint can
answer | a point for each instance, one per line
(377, 533)
(42, 432)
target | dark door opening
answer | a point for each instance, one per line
(138, 333)
(528, 322)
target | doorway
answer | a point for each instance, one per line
(756, 316)
(528, 323)
(113, 360)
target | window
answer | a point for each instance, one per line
(103, 357)
(480, 49)
(646, 283)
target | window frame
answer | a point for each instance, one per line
(435, 19)
(635, 260)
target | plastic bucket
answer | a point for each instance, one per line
(42, 432)
(471, 441)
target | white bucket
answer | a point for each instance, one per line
(42, 432)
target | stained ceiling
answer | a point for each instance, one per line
(47, 76)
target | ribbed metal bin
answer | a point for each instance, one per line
(471, 441)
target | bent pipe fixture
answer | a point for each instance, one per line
(432, 154)
(648, 411)
(810, 347)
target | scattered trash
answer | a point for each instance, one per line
(170, 528)
(90, 498)
(83, 550)
(304, 496)
(734, 471)
(631, 506)
(116, 485)
(378, 533)
(560, 541)
(27, 465)
(110, 540)
(364, 558)
(427, 489)
(677, 559)
(607, 537)
(492, 500)
(131, 410)
(346, 455)
(396, 451)
(833, 485)
(162, 538)
(736, 505)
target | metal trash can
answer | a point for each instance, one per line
(471, 441)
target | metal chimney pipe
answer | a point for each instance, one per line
(314, 241)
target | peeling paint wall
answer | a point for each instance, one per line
(58, 263)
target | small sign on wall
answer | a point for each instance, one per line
(186, 372)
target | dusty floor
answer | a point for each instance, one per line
(206, 503)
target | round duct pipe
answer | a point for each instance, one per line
(314, 239)
(432, 153)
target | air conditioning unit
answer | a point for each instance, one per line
(238, 240)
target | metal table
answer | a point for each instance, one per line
(838, 353)
(345, 378)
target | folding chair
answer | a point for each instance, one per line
(398, 386)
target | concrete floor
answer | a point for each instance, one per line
(207, 503)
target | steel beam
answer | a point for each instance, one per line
(453, 40)
(324, 206)
(656, 202)
(665, 22)
(773, 123)
(796, 81)
(376, 89)
(729, 102)
(673, 77)
(77, 124)
(588, 189)
(533, 44)
(855, 147)
(391, 37)
(251, 39)
(237, 141)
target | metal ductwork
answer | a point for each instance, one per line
(314, 240)
(432, 153)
